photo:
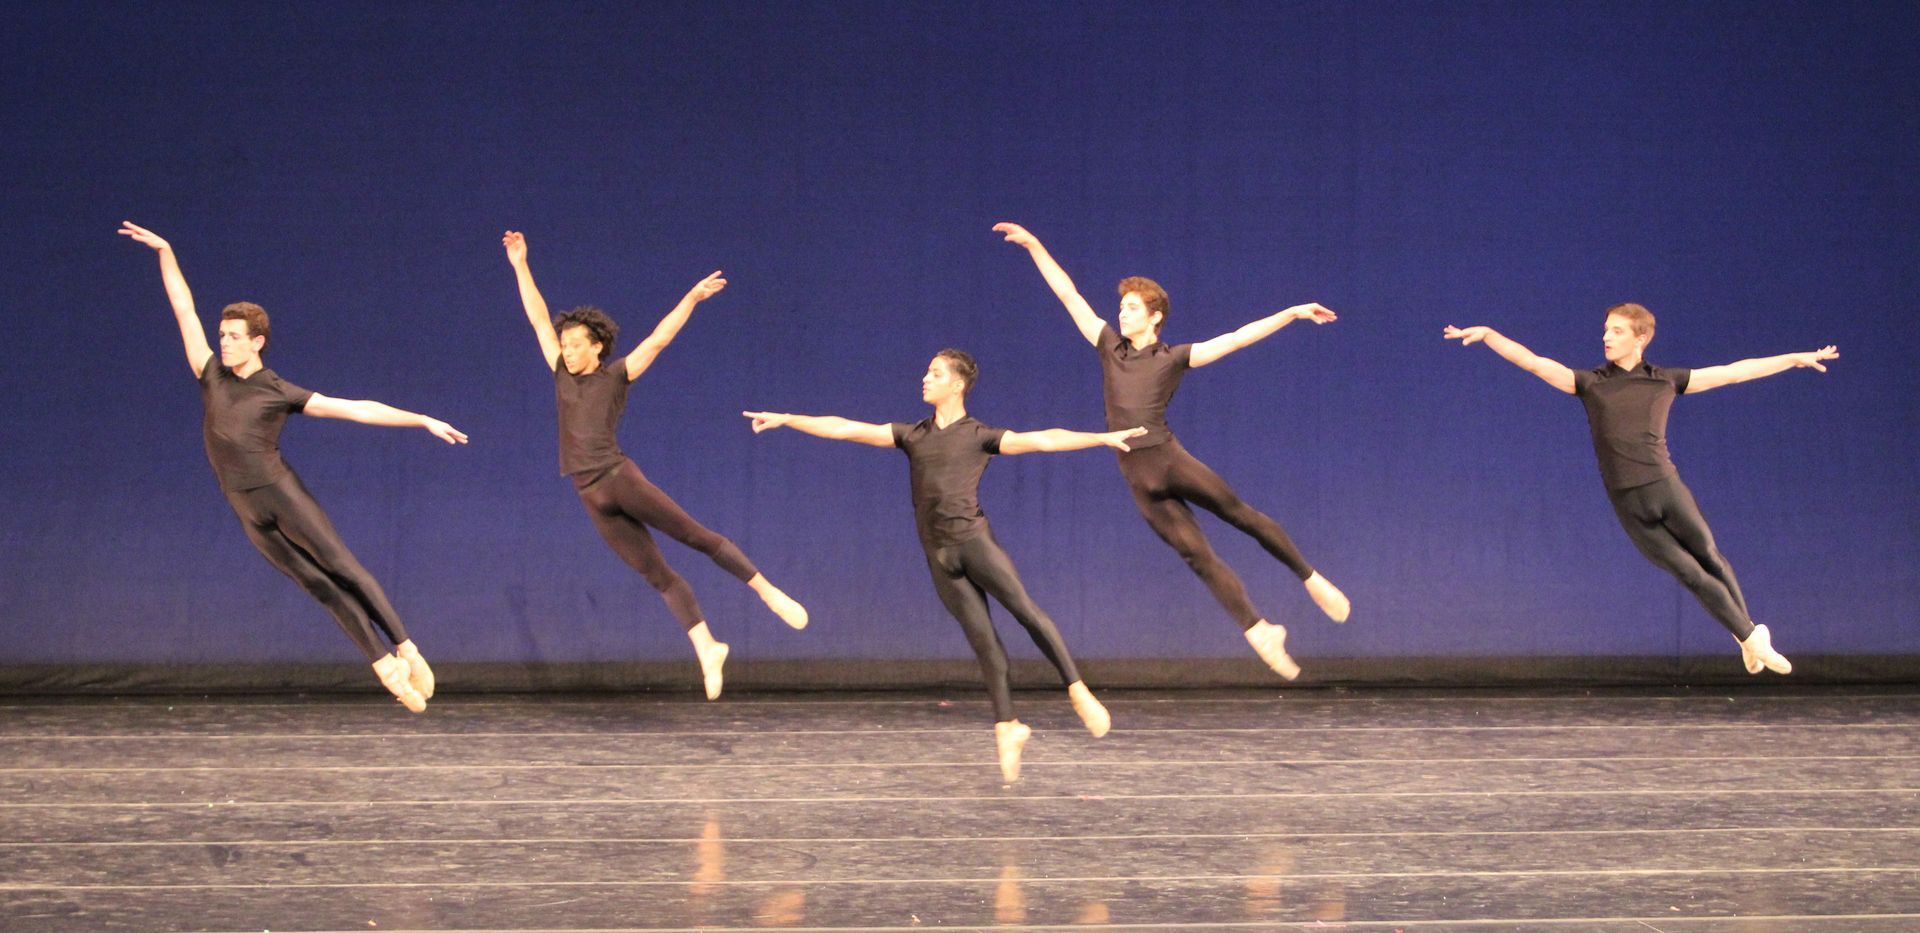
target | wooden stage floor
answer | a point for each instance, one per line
(1776, 808)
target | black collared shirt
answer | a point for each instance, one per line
(1627, 411)
(590, 406)
(1138, 384)
(946, 465)
(243, 422)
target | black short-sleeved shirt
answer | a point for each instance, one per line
(243, 422)
(946, 464)
(1138, 384)
(590, 407)
(1627, 411)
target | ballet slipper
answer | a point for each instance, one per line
(418, 673)
(1328, 597)
(1091, 712)
(1759, 648)
(787, 608)
(1269, 641)
(1747, 658)
(392, 672)
(1011, 736)
(711, 657)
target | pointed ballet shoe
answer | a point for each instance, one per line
(1269, 641)
(392, 672)
(1747, 658)
(1011, 736)
(1760, 646)
(418, 673)
(788, 609)
(1091, 712)
(1328, 597)
(710, 661)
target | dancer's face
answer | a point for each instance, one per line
(236, 348)
(1135, 320)
(579, 352)
(1621, 342)
(940, 384)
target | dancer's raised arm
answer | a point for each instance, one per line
(1057, 279)
(1713, 377)
(1053, 440)
(192, 334)
(1247, 335)
(380, 414)
(828, 426)
(536, 306)
(669, 326)
(1553, 373)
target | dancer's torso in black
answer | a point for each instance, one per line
(1627, 412)
(590, 407)
(946, 465)
(1138, 384)
(243, 422)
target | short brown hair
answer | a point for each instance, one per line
(1641, 318)
(961, 364)
(1149, 292)
(254, 315)
(600, 328)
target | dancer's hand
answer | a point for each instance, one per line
(707, 287)
(444, 431)
(1017, 234)
(1313, 311)
(1468, 336)
(767, 420)
(142, 235)
(1812, 360)
(516, 244)
(1118, 439)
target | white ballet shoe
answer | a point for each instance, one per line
(787, 608)
(418, 673)
(711, 658)
(393, 674)
(1011, 736)
(1091, 712)
(1328, 597)
(1758, 649)
(1269, 641)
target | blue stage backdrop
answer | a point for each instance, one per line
(1747, 170)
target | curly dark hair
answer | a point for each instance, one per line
(254, 315)
(600, 328)
(1149, 292)
(960, 363)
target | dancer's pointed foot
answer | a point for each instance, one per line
(393, 674)
(1269, 641)
(1328, 597)
(1757, 652)
(789, 610)
(1091, 712)
(1011, 736)
(418, 673)
(711, 657)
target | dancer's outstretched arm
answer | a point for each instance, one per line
(536, 306)
(191, 332)
(1555, 374)
(669, 326)
(376, 413)
(1057, 439)
(828, 426)
(1057, 279)
(1247, 335)
(1713, 377)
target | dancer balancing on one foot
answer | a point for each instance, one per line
(946, 456)
(590, 389)
(1627, 401)
(1139, 374)
(246, 406)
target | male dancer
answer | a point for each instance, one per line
(946, 456)
(1139, 374)
(247, 405)
(1627, 401)
(590, 391)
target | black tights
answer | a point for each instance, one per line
(964, 575)
(623, 504)
(1666, 525)
(1164, 478)
(295, 535)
